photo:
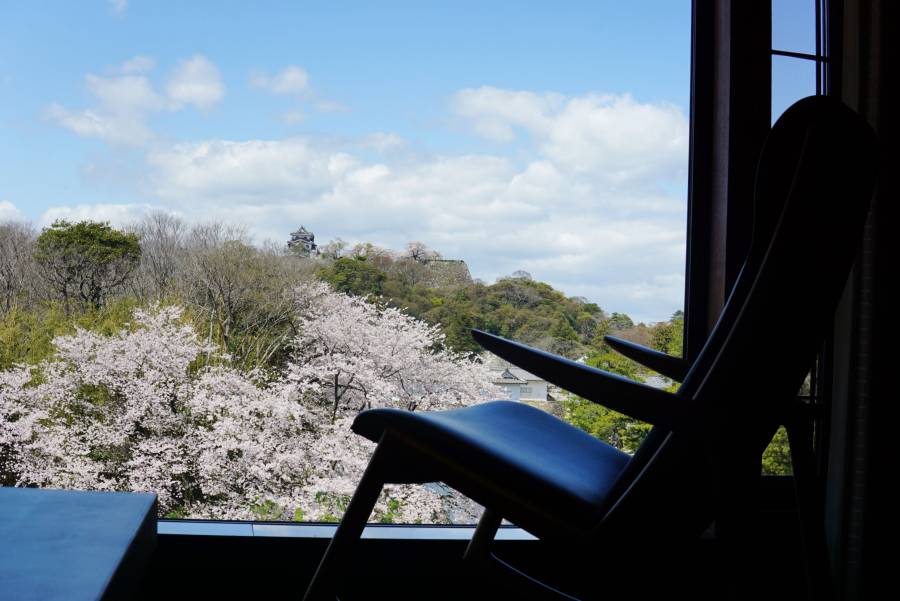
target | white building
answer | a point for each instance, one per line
(519, 384)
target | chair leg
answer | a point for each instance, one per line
(491, 567)
(737, 513)
(350, 529)
(517, 580)
(480, 546)
(812, 521)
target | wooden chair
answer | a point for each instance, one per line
(700, 462)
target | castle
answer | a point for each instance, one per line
(303, 243)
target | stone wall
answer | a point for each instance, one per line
(446, 272)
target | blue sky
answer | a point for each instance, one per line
(550, 138)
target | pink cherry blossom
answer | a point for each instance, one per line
(145, 410)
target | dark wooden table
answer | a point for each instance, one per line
(73, 545)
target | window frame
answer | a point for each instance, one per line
(701, 280)
(724, 142)
(730, 73)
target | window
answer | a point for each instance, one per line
(189, 224)
(799, 51)
(799, 69)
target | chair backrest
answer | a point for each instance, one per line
(814, 183)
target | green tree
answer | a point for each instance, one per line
(619, 430)
(26, 333)
(353, 276)
(242, 294)
(613, 362)
(776, 460)
(668, 337)
(16, 265)
(86, 261)
(619, 321)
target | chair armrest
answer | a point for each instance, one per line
(620, 394)
(674, 368)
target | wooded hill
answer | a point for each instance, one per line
(239, 296)
(515, 307)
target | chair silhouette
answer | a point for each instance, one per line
(700, 462)
(776, 170)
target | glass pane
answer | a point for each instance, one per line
(792, 79)
(776, 460)
(230, 231)
(794, 25)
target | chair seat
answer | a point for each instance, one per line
(521, 452)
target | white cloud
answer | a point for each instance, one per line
(251, 172)
(290, 81)
(613, 135)
(125, 101)
(293, 81)
(118, 7)
(117, 215)
(138, 64)
(9, 212)
(196, 81)
(125, 129)
(598, 219)
(495, 113)
(125, 94)
(624, 251)
(293, 117)
(123, 104)
(382, 142)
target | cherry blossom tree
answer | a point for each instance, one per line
(108, 412)
(351, 354)
(138, 410)
(354, 355)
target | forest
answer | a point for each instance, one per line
(221, 374)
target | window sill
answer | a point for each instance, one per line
(326, 531)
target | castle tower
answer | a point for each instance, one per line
(303, 243)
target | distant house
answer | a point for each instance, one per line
(519, 384)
